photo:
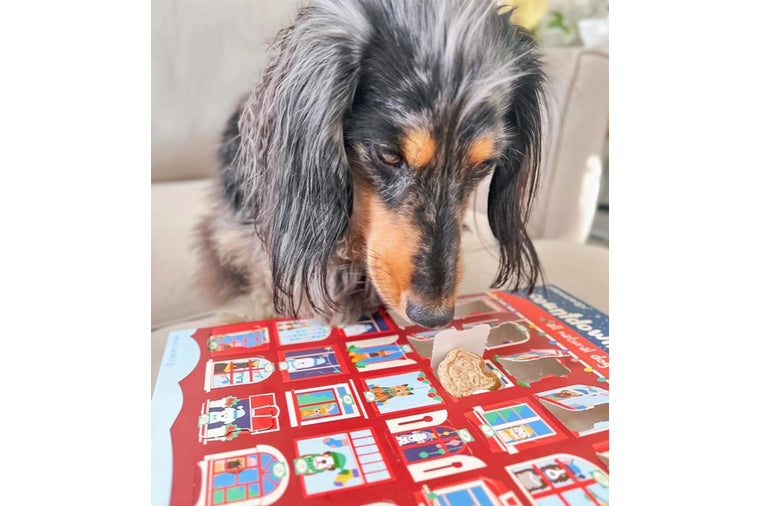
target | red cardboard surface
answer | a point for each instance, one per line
(284, 412)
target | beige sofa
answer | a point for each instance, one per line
(206, 55)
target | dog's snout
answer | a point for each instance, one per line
(431, 317)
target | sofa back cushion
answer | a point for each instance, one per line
(207, 56)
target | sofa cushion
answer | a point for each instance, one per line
(176, 208)
(578, 101)
(205, 57)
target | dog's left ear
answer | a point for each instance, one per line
(515, 179)
(293, 150)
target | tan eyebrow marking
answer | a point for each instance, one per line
(481, 150)
(418, 147)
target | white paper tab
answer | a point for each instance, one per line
(473, 340)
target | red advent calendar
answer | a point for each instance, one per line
(293, 411)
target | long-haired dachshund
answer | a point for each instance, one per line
(346, 173)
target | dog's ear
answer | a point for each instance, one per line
(515, 179)
(292, 150)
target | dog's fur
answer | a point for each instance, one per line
(345, 175)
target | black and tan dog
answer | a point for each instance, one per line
(346, 173)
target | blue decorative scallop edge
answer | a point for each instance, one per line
(181, 356)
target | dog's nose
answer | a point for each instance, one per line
(429, 317)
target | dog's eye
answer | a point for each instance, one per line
(388, 157)
(483, 166)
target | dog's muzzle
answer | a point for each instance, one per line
(429, 317)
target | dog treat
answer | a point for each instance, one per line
(462, 373)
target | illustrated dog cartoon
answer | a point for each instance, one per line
(346, 174)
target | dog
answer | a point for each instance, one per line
(345, 175)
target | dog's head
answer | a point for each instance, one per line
(372, 126)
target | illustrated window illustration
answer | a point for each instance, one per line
(224, 419)
(378, 353)
(562, 479)
(509, 425)
(399, 392)
(374, 323)
(323, 404)
(431, 447)
(257, 476)
(339, 461)
(302, 331)
(430, 443)
(479, 492)
(310, 363)
(244, 371)
(232, 342)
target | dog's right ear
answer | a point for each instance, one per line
(292, 160)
